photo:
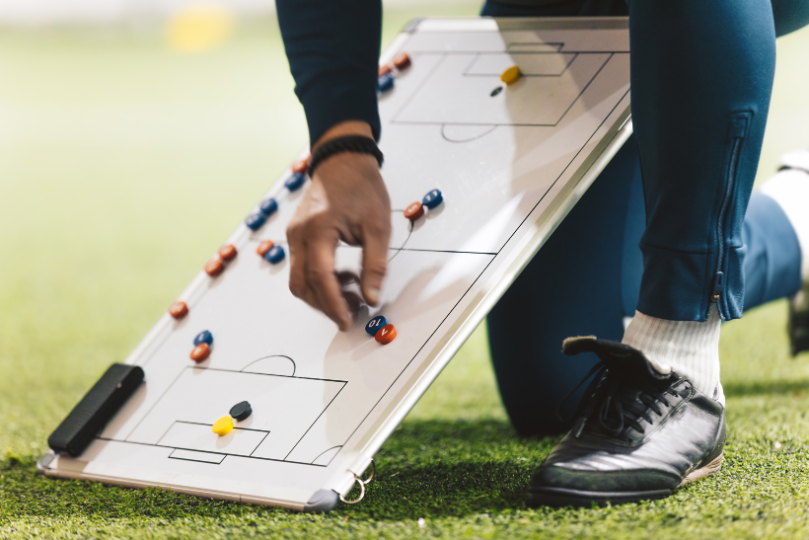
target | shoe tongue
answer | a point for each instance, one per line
(616, 356)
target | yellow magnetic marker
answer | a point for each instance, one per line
(511, 75)
(223, 426)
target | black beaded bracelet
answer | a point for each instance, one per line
(348, 143)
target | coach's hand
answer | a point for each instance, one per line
(347, 200)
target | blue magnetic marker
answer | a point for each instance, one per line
(255, 221)
(275, 255)
(433, 199)
(204, 337)
(268, 207)
(385, 82)
(294, 182)
(375, 324)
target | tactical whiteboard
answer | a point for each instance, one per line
(510, 163)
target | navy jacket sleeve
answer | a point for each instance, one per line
(333, 52)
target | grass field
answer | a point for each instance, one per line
(124, 164)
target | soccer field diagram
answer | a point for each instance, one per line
(188, 400)
(509, 160)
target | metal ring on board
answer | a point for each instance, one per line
(373, 472)
(360, 483)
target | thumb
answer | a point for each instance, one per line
(374, 264)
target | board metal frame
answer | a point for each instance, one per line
(518, 251)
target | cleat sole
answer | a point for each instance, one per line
(559, 497)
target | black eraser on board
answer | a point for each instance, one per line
(95, 409)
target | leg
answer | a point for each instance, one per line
(772, 267)
(700, 111)
(700, 114)
(566, 291)
(531, 374)
(652, 419)
(787, 193)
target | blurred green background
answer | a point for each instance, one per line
(126, 159)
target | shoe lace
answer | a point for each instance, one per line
(614, 410)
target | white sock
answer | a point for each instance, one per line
(790, 189)
(690, 349)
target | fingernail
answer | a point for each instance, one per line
(373, 295)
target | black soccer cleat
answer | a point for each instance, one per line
(798, 323)
(639, 434)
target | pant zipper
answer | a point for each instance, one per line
(737, 131)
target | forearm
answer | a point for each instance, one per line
(333, 52)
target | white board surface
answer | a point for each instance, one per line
(510, 164)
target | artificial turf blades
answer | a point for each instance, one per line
(123, 166)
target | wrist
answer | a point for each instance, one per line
(352, 144)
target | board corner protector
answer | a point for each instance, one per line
(322, 501)
(44, 462)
